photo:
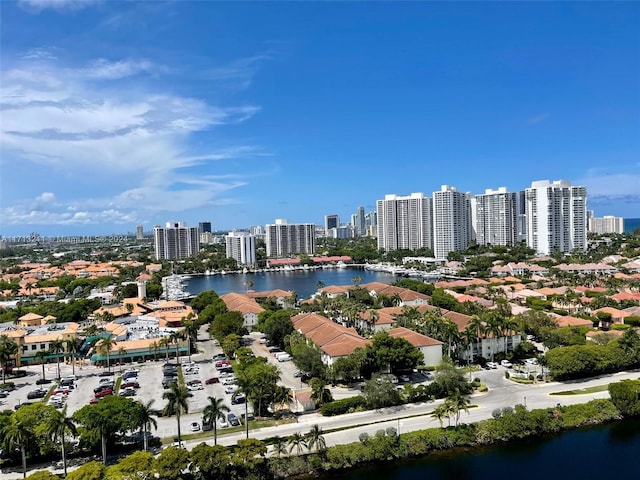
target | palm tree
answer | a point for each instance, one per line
(457, 402)
(175, 337)
(297, 441)
(121, 353)
(315, 439)
(16, 435)
(105, 346)
(440, 413)
(319, 393)
(8, 348)
(164, 343)
(191, 329)
(144, 419)
(56, 348)
(41, 355)
(154, 347)
(176, 403)
(73, 347)
(279, 446)
(215, 411)
(320, 285)
(58, 424)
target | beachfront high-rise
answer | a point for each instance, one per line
(496, 217)
(556, 214)
(283, 238)
(242, 248)
(452, 228)
(606, 224)
(404, 222)
(175, 241)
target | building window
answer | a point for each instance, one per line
(43, 346)
(33, 347)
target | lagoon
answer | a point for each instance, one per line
(303, 282)
(605, 451)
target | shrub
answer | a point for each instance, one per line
(339, 407)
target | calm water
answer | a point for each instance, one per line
(303, 282)
(608, 451)
(630, 224)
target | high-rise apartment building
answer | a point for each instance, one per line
(371, 224)
(139, 232)
(242, 247)
(204, 227)
(330, 221)
(496, 217)
(404, 222)
(606, 224)
(452, 229)
(359, 223)
(556, 215)
(175, 240)
(283, 238)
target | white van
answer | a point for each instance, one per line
(284, 358)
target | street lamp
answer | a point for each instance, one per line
(525, 402)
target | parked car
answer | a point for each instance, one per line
(106, 373)
(212, 380)
(222, 363)
(222, 422)
(229, 380)
(238, 399)
(263, 341)
(194, 371)
(284, 357)
(102, 381)
(194, 427)
(506, 363)
(249, 417)
(492, 365)
(38, 393)
(100, 388)
(233, 420)
(127, 392)
(59, 391)
(231, 389)
(4, 394)
(405, 378)
(104, 393)
(195, 386)
(94, 400)
(130, 384)
(297, 374)
(43, 381)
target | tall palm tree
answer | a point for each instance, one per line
(17, 435)
(177, 403)
(191, 329)
(8, 348)
(72, 346)
(214, 411)
(319, 393)
(298, 442)
(121, 353)
(56, 348)
(105, 346)
(144, 419)
(154, 347)
(164, 343)
(58, 424)
(440, 413)
(176, 337)
(316, 439)
(457, 402)
(41, 355)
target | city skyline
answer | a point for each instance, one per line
(120, 114)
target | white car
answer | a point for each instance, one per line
(231, 389)
(195, 386)
(222, 423)
(193, 371)
(492, 365)
(506, 363)
(229, 381)
(194, 426)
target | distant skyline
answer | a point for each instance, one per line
(120, 113)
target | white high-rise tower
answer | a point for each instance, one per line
(452, 229)
(556, 215)
(496, 217)
(404, 222)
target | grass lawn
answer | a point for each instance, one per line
(583, 391)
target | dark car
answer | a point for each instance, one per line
(4, 394)
(167, 381)
(39, 393)
(250, 417)
(238, 399)
(23, 404)
(130, 384)
(105, 373)
(42, 381)
(233, 420)
(211, 380)
(100, 388)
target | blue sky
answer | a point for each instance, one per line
(120, 113)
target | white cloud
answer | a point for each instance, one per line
(46, 197)
(538, 118)
(106, 70)
(130, 149)
(36, 6)
(40, 53)
(614, 185)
